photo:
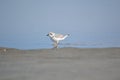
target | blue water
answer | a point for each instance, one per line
(47, 45)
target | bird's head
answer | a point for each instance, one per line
(51, 34)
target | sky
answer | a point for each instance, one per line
(90, 23)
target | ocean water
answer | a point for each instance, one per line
(47, 45)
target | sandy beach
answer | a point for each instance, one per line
(60, 64)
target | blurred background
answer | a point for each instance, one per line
(90, 23)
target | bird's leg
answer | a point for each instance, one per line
(55, 44)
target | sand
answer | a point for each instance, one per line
(60, 64)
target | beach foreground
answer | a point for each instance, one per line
(60, 64)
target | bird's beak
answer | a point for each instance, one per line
(47, 35)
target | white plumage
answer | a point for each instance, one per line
(56, 38)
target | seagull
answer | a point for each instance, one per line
(56, 38)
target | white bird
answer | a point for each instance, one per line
(56, 38)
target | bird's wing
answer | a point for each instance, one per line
(59, 36)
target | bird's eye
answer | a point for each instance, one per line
(50, 33)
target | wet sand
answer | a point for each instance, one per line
(60, 64)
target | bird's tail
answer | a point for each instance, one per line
(66, 35)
